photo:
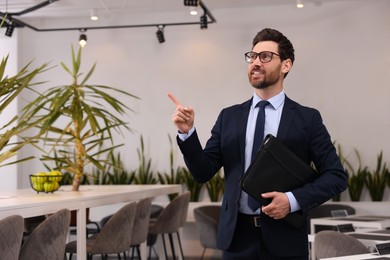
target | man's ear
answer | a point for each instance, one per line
(286, 66)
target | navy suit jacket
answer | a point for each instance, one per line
(301, 129)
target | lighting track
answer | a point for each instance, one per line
(20, 24)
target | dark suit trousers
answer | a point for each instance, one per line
(248, 244)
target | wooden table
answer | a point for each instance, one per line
(27, 203)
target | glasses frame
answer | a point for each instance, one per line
(247, 58)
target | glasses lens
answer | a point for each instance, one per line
(250, 56)
(265, 56)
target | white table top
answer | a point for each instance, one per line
(27, 203)
(359, 257)
(358, 222)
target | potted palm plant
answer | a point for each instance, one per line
(77, 120)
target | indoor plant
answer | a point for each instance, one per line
(376, 180)
(76, 120)
(10, 88)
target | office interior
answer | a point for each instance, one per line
(341, 68)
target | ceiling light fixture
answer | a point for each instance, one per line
(191, 2)
(194, 10)
(83, 38)
(10, 27)
(160, 34)
(300, 4)
(208, 19)
(94, 16)
(203, 22)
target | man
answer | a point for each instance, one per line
(261, 233)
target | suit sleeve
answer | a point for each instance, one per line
(332, 179)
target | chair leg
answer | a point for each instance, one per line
(150, 253)
(138, 252)
(165, 248)
(204, 250)
(181, 248)
(172, 246)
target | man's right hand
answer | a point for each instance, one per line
(183, 117)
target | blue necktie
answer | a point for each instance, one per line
(257, 141)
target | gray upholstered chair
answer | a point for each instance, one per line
(206, 222)
(151, 239)
(114, 237)
(325, 211)
(170, 221)
(329, 243)
(48, 240)
(141, 225)
(11, 235)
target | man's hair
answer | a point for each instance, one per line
(285, 47)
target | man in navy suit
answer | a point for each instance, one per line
(261, 233)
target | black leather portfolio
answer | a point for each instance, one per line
(276, 168)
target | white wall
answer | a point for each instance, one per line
(341, 68)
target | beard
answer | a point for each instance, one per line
(270, 79)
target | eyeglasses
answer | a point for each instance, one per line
(264, 56)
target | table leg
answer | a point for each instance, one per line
(81, 234)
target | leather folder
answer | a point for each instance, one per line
(276, 168)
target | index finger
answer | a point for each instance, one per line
(174, 100)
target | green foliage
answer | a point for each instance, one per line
(356, 178)
(174, 176)
(116, 172)
(144, 174)
(215, 187)
(377, 179)
(78, 118)
(10, 88)
(191, 185)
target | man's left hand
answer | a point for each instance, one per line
(279, 206)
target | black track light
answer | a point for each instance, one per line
(191, 2)
(203, 22)
(160, 34)
(10, 28)
(83, 38)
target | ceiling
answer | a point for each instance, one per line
(77, 9)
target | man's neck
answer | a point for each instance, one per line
(269, 92)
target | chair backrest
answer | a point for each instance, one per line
(325, 210)
(141, 222)
(170, 219)
(114, 237)
(329, 243)
(48, 240)
(11, 235)
(207, 221)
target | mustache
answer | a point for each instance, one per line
(257, 68)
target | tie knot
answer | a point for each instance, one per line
(262, 104)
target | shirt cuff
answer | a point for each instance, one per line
(183, 137)
(294, 205)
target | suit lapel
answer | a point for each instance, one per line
(287, 118)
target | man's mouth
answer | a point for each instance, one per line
(257, 73)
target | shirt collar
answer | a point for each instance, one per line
(275, 101)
